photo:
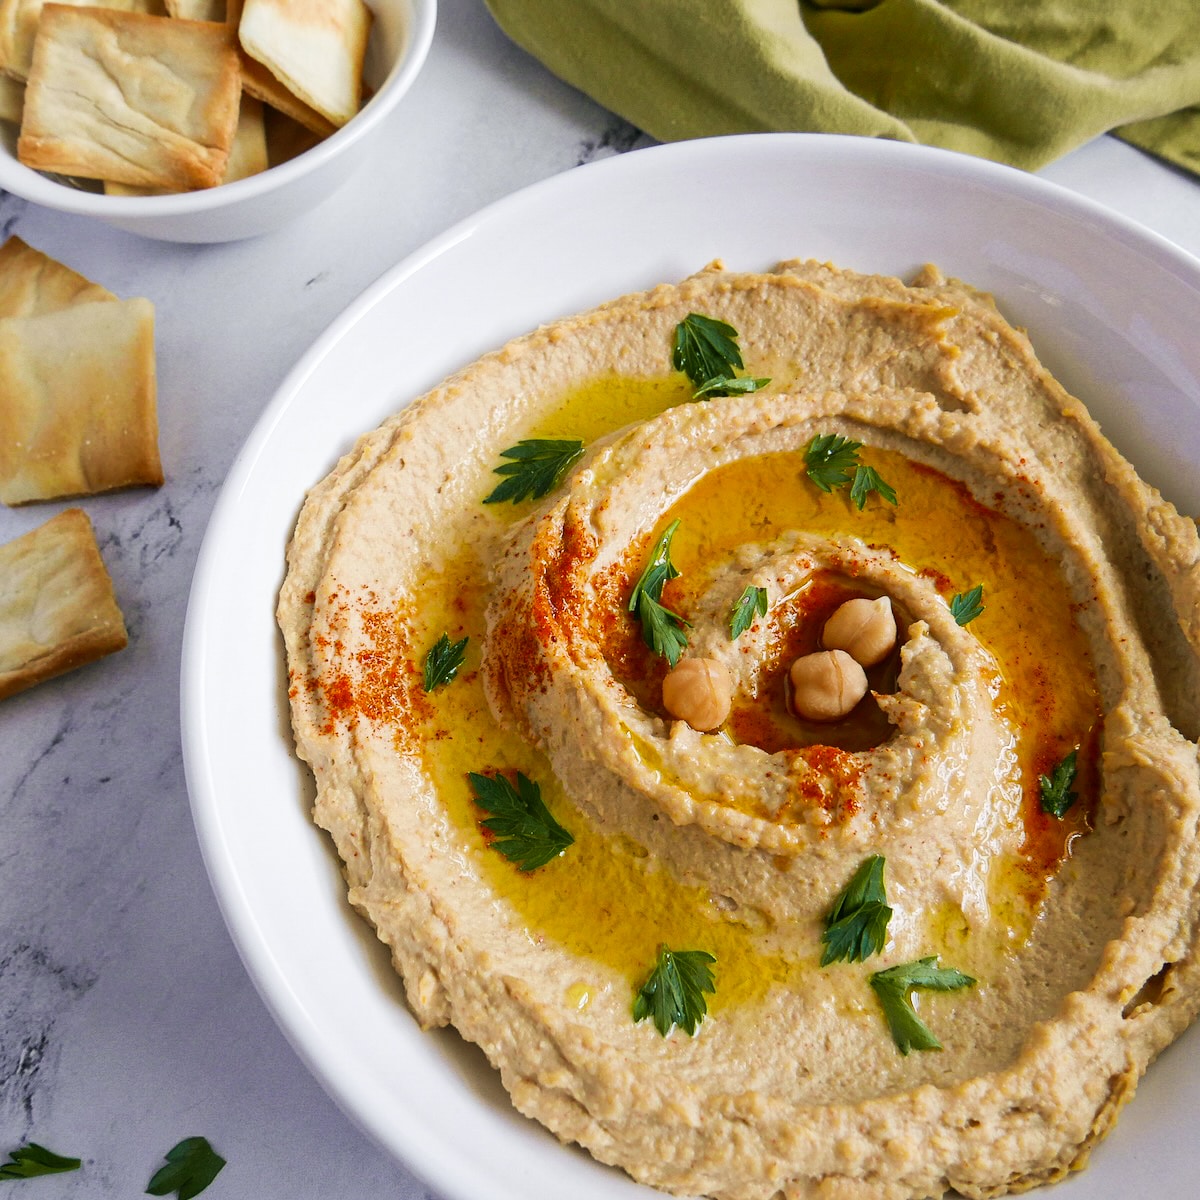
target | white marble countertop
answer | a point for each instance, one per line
(126, 1019)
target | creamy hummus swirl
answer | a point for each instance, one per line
(1080, 931)
(547, 672)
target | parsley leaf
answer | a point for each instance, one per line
(674, 992)
(750, 604)
(31, 1160)
(829, 460)
(966, 606)
(443, 661)
(866, 481)
(705, 348)
(706, 351)
(537, 466)
(191, 1166)
(1057, 795)
(893, 986)
(856, 926)
(662, 629)
(526, 833)
(728, 385)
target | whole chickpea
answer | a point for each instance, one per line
(698, 691)
(865, 629)
(826, 685)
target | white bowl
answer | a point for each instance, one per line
(400, 36)
(1112, 310)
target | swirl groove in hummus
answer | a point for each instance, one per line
(1081, 932)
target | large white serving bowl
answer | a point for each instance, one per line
(401, 32)
(1111, 308)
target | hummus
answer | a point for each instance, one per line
(1077, 931)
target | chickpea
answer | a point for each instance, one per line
(865, 629)
(826, 685)
(698, 691)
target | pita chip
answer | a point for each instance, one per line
(78, 410)
(12, 99)
(145, 100)
(19, 24)
(197, 10)
(315, 47)
(57, 608)
(247, 155)
(286, 138)
(32, 282)
(258, 82)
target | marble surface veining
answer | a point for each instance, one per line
(127, 1021)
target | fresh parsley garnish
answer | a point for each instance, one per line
(829, 460)
(729, 385)
(966, 606)
(705, 348)
(674, 992)
(750, 604)
(1057, 795)
(893, 986)
(191, 1166)
(866, 481)
(31, 1160)
(443, 661)
(526, 833)
(662, 629)
(856, 926)
(536, 467)
(706, 351)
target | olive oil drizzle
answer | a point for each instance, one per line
(606, 902)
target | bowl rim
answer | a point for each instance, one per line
(33, 185)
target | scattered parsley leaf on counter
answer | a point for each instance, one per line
(706, 351)
(830, 458)
(856, 926)
(674, 992)
(31, 1160)
(866, 481)
(1057, 795)
(191, 1166)
(443, 661)
(537, 466)
(966, 606)
(893, 986)
(526, 833)
(662, 629)
(750, 604)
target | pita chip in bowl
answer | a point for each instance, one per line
(199, 120)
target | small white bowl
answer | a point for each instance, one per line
(400, 36)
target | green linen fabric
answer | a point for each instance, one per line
(1018, 81)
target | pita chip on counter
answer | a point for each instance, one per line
(57, 607)
(32, 282)
(78, 384)
(78, 401)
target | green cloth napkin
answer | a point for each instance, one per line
(1019, 81)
